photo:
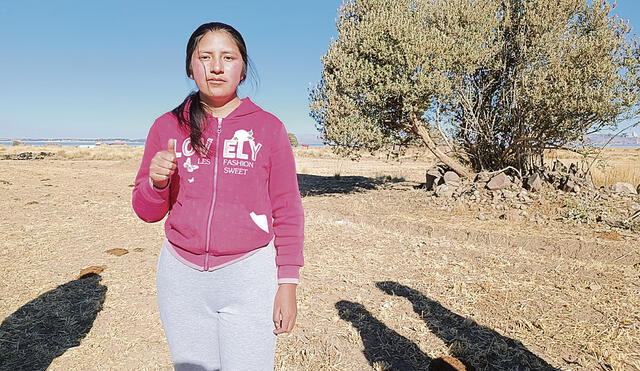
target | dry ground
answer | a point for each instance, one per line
(391, 280)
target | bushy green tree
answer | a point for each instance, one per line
(503, 79)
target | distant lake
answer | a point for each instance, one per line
(27, 143)
(625, 146)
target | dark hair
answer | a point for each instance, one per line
(197, 114)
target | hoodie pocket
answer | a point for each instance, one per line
(236, 229)
(178, 222)
(236, 218)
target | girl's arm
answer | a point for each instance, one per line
(287, 212)
(150, 203)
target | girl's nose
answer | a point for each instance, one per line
(216, 66)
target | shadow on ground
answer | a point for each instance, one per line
(315, 185)
(47, 326)
(476, 345)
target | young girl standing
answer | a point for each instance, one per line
(223, 170)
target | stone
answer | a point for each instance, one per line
(433, 178)
(117, 251)
(507, 194)
(623, 188)
(535, 182)
(449, 363)
(451, 179)
(559, 167)
(568, 185)
(482, 177)
(94, 269)
(573, 168)
(444, 190)
(511, 215)
(499, 181)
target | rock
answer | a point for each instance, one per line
(451, 179)
(117, 251)
(594, 286)
(573, 168)
(444, 190)
(482, 176)
(559, 167)
(449, 364)
(611, 235)
(481, 217)
(433, 178)
(623, 188)
(94, 269)
(499, 181)
(535, 182)
(507, 194)
(568, 185)
(511, 215)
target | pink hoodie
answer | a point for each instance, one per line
(225, 206)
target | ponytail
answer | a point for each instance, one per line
(195, 123)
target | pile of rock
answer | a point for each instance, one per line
(446, 183)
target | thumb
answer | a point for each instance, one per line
(171, 146)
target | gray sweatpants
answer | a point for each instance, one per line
(222, 319)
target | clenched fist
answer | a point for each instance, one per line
(163, 165)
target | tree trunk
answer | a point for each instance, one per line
(455, 165)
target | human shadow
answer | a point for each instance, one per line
(382, 344)
(477, 345)
(316, 185)
(45, 327)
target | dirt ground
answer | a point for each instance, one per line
(391, 279)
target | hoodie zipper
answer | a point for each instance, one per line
(213, 201)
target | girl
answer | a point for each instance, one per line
(224, 171)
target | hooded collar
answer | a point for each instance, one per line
(245, 108)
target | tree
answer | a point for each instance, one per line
(293, 139)
(507, 78)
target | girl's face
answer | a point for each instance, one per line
(216, 65)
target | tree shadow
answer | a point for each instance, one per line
(44, 328)
(315, 185)
(477, 345)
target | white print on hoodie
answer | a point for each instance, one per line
(234, 148)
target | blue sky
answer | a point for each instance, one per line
(84, 69)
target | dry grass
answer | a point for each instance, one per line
(104, 152)
(391, 279)
(614, 165)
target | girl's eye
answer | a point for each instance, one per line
(228, 58)
(204, 57)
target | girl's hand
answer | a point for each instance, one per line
(285, 308)
(163, 165)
